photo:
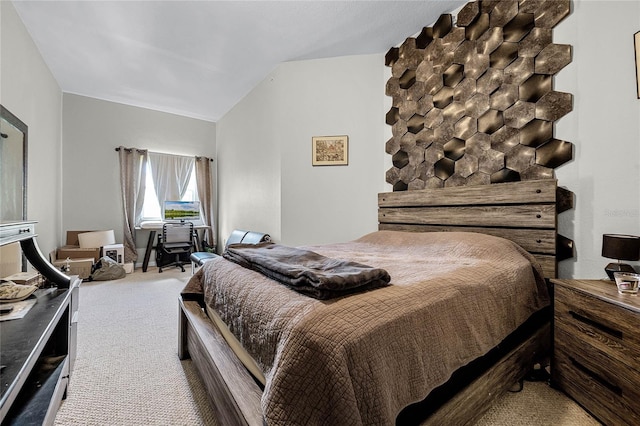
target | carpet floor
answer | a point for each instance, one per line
(127, 370)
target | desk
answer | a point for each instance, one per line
(153, 228)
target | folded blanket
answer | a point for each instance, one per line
(307, 272)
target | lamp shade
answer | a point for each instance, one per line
(621, 247)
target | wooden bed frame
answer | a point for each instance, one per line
(524, 212)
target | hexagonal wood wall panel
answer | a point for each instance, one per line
(473, 102)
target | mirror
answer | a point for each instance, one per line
(13, 167)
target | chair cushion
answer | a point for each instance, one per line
(236, 236)
(253, 237)
(200, 257)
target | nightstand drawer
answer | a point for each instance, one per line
(606, 401)
(618, 377)
(611, 329)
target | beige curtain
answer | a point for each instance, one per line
(170, 174)
(205, 184)
(133, 169)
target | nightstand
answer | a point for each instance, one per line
(596, 348)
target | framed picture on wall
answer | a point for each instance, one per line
(636, 44)
(330, 150)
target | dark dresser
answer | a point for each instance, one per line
(37, 351)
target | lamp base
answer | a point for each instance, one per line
(617, 267)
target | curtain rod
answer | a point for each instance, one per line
(198, 158)
(130, 149)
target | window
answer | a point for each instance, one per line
(151, 209)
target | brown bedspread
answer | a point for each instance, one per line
(360, 359)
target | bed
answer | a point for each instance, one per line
(458, 324)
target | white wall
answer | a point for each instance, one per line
(92, 129)
(605, 128)
(324, 204)
(266, 180)
(29, 91)
(249, 166)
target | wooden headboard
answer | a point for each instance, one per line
(524, 212)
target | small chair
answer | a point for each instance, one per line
(176, 242)
(237, 236)
(253, 237)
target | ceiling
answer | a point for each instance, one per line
(199, 58)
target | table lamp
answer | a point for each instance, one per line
(620, 247)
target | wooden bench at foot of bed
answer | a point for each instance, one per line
(234, 393)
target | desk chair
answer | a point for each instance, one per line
(175, 244)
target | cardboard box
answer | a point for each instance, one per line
(79, 267)
(96, 238)
(115, 252)
(75, 252)
(72, 249)
(26, 278)
(72, 238)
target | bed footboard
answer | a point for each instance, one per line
(234, 394)
(467, 406)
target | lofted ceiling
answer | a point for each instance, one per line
(199, 58)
